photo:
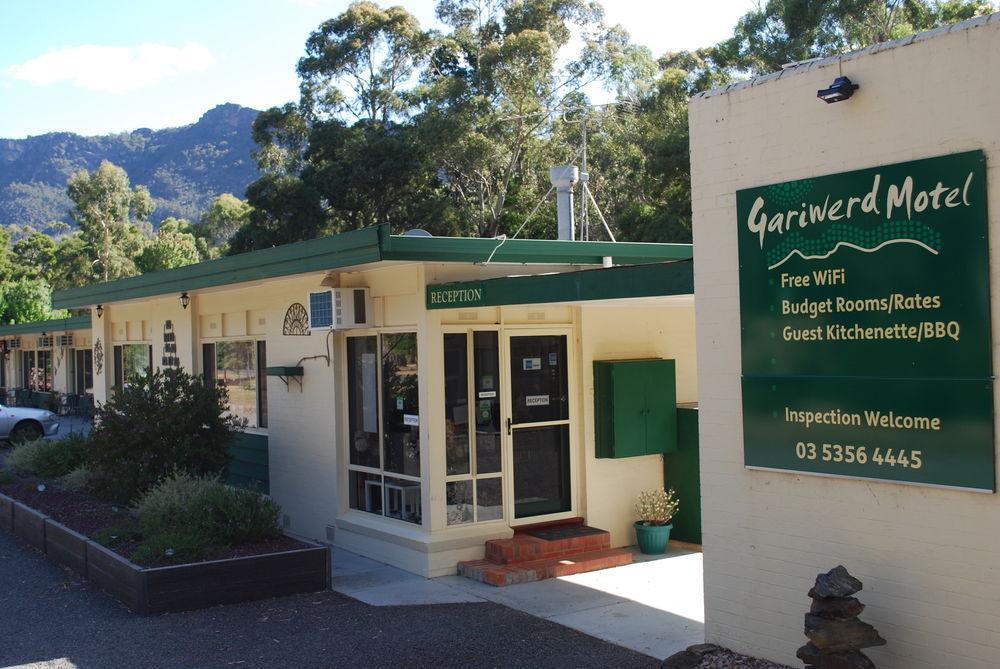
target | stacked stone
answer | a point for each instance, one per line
(836, 636)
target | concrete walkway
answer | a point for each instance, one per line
(653, 606)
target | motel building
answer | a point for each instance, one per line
(48, 364)
(410, 397)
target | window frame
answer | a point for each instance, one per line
(118, 359)
(473, 475)
(260, 379)
(380, 471)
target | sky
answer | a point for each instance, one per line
(105, 66)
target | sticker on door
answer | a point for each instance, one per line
(531, 363)
(536, 400)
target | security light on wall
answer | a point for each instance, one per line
(330, 281)
(841, 89)
(185, 300)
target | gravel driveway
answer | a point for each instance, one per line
(49, 616)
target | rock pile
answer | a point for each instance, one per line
(836, 636)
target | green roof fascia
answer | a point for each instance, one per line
(359, 247)
(56, 324)
(356, 247)
(612, 283)
(538, 251)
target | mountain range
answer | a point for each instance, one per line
(184, 168)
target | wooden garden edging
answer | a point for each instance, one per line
(151, 590)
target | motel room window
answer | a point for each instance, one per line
(81, 371)
(132, 362)
(36, 370)
(473, 484)
(238, 367)
(384, 425)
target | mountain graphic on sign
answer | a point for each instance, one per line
(840, 235)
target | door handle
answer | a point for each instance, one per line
(508, 426)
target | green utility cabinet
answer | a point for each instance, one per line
(635, 407)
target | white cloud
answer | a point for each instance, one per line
(113, 69)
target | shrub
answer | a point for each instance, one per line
(81, 479)
(164, 422)
(49, 458)
(175, 546)
(6, 476)
(209, 508)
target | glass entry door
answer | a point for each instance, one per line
(538, 425)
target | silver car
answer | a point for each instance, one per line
(19, 424)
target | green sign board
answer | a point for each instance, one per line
(864, 305)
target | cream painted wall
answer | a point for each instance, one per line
(928, 558)
(622, 333)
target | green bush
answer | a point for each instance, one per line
(49, 458)
(174, 547)
(204, 506)
(164, 422)
(81, 479)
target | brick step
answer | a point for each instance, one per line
(525, 548)
(497, 574)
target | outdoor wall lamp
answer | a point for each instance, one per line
(841, 89)
(100, 310)
(185, 300)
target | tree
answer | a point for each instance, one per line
(173, 246)
(26, 301)
(105, 205)
(360, 63)
(786, 31)
(35, 256)
(224, 216)
(485, 98)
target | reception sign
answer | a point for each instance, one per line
(864, 304)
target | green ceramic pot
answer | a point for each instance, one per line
(652, 539)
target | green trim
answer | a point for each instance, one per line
(359, 247)
(540, 251)
(283, 371)
(57, 325)
(613, 283)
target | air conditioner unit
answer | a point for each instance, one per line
(14, 343)
(65, 341)
(45, 342)
(340, 309)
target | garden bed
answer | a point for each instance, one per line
(60, 523)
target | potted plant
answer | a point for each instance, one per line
(655, 508)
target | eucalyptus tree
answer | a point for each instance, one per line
(106, 208)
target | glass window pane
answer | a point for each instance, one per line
(236, 371)
(135, 362)
(402, 500)
(456, 404)
(208, 364)
(362, 401)
(400, 404)
(539, 383)
(458, 497)
(541, 470)
(88, 366)
(486, 356)
(365, 491)
(489, 499)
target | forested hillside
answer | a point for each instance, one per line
(184, 168)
